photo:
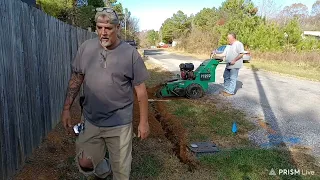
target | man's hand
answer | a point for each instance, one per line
(142, 96)
(143, 130)
(236, 59)
(73, 89)
(66, 119)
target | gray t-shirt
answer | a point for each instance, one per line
(233, 51)
(110, 77)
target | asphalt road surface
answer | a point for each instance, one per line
(289, 106)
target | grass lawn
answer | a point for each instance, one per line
(205, 122)
(249, 164)
(238, 158)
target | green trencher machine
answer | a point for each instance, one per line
(191, 83)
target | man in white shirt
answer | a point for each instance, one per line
(234, 59)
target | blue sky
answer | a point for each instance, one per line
(152, 13)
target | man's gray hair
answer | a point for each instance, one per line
(113, 18)
(233, 35)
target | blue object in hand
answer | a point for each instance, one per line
(234, 127)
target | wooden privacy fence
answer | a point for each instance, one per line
(35, 55)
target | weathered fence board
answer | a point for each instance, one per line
(35, 54)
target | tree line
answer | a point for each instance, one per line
(268, 29)
(81, 13)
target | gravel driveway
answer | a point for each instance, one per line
(290, 107)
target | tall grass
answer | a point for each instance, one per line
(299, 59)
(299, 64)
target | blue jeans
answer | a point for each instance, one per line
(230, 80)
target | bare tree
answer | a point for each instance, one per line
(132, 28)
(296, 10)
(315, 16)
(143, 38)
(268, 8)
(315, 11)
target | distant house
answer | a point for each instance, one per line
(312, 33)
(30, 2)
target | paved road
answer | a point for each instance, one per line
(290, 106)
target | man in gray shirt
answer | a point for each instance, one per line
(234, 56)
(110, 71)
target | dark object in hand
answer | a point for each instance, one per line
(81, 101)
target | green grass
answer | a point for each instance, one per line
(249, 164)
(302, 70)
(238, 158)
(204, 121)
(148, 166)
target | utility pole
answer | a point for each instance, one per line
(125, 26)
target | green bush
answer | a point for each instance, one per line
(309, 43)
(237, 16)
